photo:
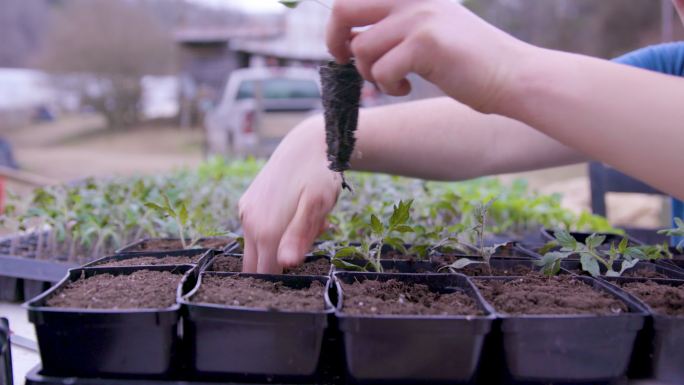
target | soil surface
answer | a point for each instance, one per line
(257, 293)
(320, 266)
(227, 263)
(153, 261)
(173, 244)
(644, 273)
(234, 264)
(371, 297)
(141, 289)
(560, 294)
(480, 270)
(663, 299)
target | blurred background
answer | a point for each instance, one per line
(121, 87)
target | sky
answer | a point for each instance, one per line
(267, 6)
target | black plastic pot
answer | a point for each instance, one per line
(33, 288)
(662, 339)
(5, 354)
(108, 342)
(141, 245)
(10, 289)
(204, 259)
(417, 348)
(570, 348)
(256, 343)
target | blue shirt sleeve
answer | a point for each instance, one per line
(666, 58)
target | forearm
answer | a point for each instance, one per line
(629, 118)
(442, 139)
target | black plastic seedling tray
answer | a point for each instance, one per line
(10, 289)
(413, 349)
(255, 343)
(139, 246)
(204, 259)
(108, 342)
(662, 338)
(569, 348)
(5, 353)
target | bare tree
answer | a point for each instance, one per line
(110, 45)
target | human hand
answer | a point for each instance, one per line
(285, 207)
(439, 40)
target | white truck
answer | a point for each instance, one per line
(259, 107)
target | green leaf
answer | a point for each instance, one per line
(397, 244)
(156, 207)
(590, 264)
(344, 265)
(626, 265)
(401, 213)
(403, 229)
(290, 3)
(634, 252)
(623, 245)
(346, 252)
(183, 214)
(594, 241)
(548, 247)
(565, 239)
(463, 262)
(376, 225)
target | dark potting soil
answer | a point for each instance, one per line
(371, 297)
(174, 244)
(227, 263)
(234, 264)
(663, 299)
(320, 266)
(141, 289)
(534, 294)
(153, 261)
(643, 273)
(481, 270)
(260, 294)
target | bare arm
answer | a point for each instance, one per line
(629, 118)
(443, 139)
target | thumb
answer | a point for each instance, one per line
(306, 225)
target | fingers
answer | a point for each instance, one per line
(249, 258)
(267, 248)
(347, 14)
(368, 46)
(390, 70)
(306, 225)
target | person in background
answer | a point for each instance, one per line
(511, 107)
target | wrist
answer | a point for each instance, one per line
(524, 79)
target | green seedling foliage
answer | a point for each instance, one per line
(593, 258)
(677, 231)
